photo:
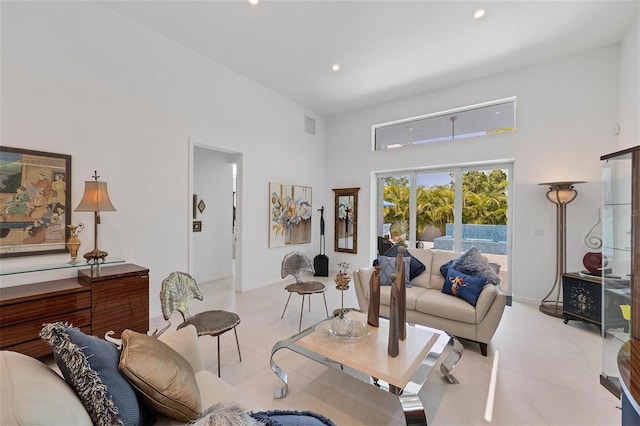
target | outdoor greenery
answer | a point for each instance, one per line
(484, 197)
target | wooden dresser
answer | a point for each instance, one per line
(114, 299)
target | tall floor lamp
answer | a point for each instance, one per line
(560, 194)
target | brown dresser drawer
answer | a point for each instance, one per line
(101, 299)
(30, 330)
(34, 310)
(37, 347)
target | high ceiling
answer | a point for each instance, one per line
(386, 49)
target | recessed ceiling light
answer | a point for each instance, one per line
(253, 2)
(335, 67)
(478, 14)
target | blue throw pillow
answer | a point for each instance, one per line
(388, 267)
(90, 366)
(463, 285)
(291, 418)
(416, 268)
(444, 269)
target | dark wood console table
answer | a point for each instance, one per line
(111, 298)
(582, 298)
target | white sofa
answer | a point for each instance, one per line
(428, 305)
(32, 393)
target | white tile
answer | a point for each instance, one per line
(548, 370)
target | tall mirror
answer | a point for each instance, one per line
(346, 229)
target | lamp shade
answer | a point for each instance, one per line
(561, 192)
(95, 198)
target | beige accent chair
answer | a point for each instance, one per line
(428, 306)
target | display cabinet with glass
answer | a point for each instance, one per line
(618, 223)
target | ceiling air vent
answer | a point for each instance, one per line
(309, 125)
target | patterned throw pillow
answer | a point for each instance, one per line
(463, 286)
(90, 366)
(417, 267)
(388, 267)
(473, 263)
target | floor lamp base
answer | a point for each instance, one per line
(551, 308)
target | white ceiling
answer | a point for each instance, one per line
(386, 49)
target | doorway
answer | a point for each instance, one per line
(215, 251)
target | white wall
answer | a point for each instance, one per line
(630, 89)
(79, 79)
(213, 184)
(565, 113)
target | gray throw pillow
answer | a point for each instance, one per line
(416, 268)
(388, 267)
(473, 263)
(225, 413)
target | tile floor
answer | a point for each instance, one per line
(548, 372)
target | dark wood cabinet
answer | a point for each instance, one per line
(119, 299)
(582, 298)
(114, 299)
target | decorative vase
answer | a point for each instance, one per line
(596, 263)
(73, 243)
(341, 325)
(287, 234)
(374, 298)
(342, 280)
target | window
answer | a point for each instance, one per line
(468, 122)
(452, 209)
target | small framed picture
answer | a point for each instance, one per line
(201, 206)
(197, 226)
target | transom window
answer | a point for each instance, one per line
(461, 123)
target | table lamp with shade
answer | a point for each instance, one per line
(96, 200)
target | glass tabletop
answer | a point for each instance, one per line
(53, 266)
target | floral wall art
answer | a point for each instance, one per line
(289, 214)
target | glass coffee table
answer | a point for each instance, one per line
(366, 358)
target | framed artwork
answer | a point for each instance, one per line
(197, 226)
(35, 202)
(289, 214)
(201, 206)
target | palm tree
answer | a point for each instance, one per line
(485, 201)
